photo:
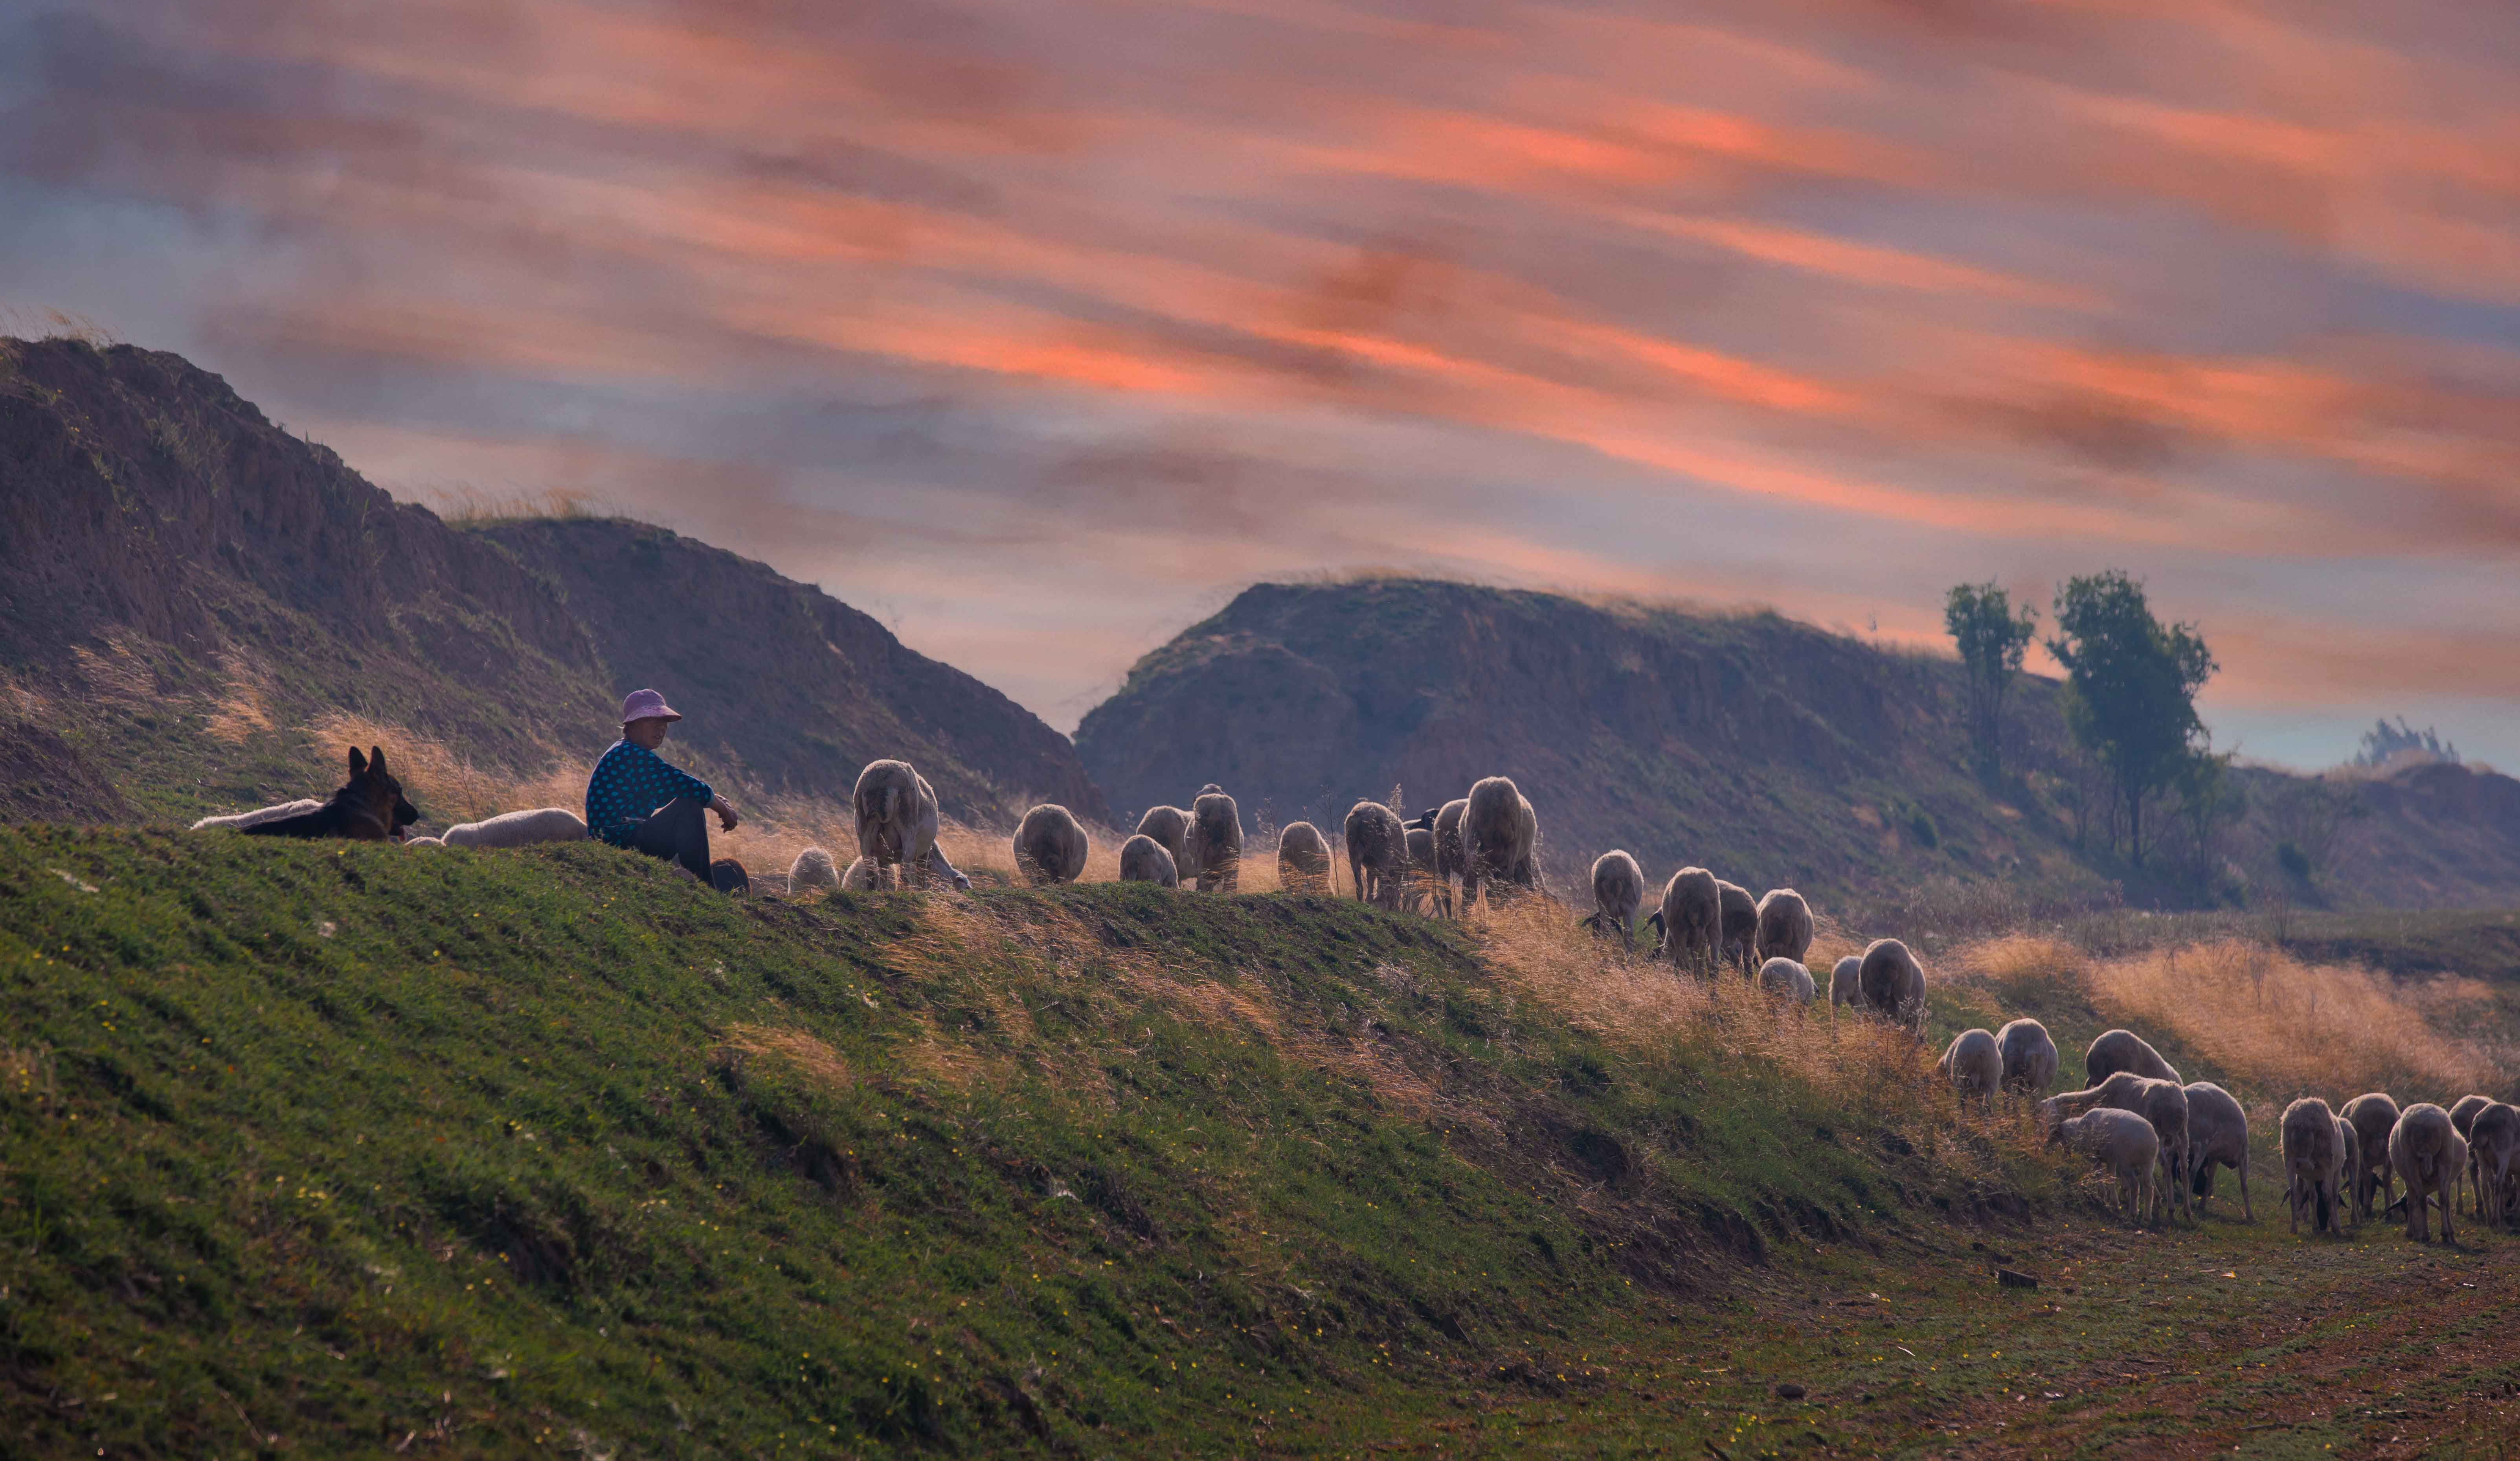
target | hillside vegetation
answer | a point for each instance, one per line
(326, 1148)
(1774, 752)
(198, 610)
(507, 1149)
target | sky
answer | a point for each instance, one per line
(1039, 331)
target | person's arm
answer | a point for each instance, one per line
(727, 820)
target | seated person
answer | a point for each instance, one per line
(638, 800)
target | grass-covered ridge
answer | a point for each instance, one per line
(349, 1144)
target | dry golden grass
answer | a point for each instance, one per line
(1642, 1008)
(2023, 968)
(240, 713)
(2294, 1029)
(446, 786)
(802, 1052)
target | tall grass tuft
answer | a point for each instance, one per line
(2301, 1029)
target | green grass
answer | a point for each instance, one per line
(344, 1144)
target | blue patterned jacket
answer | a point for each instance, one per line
(629, 784)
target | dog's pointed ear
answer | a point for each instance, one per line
(377, 760)
(358, 763)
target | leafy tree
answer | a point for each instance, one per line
(1992, 640)
(2131, 687)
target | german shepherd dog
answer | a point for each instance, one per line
(370, 809)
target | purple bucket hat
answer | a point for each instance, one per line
(647, 704)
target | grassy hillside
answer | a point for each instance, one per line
(345, 1143)
(199, 610)
(336, 1149)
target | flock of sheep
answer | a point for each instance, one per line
(2161, 1139)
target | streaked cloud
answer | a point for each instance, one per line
(1040, 328)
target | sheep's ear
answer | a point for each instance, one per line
(377, 760)
(358, 763)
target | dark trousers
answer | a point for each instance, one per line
(677, 832)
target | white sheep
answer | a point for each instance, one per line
(2029, 1057)
(2164, 1103)
(1740, 926)
(1303, 858)
(2312, 1160)
(1377, 854)
(1784, 976)
(1215, 840)
(1424, 891)
(1170, 828)
(2218, 1134)
(240, 821)
(518, 829)
(813, 869)
(897, 822)
(2123, 1142)
(1143, 859)
(863, 876)
(2494, 1142)
(2118, 1051)
(1846, 982)
(1784, 927)
(2428, 1154)
(1618, 889)
(1974, 1065)
(1500, 838)
(1691, 919)
(1050, 845)
(1894, 984)
(2374, 1114)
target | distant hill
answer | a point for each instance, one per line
(1772, 751)
(194, 605)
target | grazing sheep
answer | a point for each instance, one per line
(1377, 854)
(1894, 983)
(1216, 840)
(1974, 1065)
(1050, 846)
(518, 829)
(2427, 1151)
(1500, 838)
(1451, 862)
(2374, 1116)
(1170, 828)
(2312, 1159)
(2123, 1142)
(2218, 1133)
(813, 869)
(238, 821)
(1303, 858)
(2164, 1103)
(2124, 1050)
(1691, 917)
(2029, 1057)
(2493, 1145)
(1740, 925)
(2462, 1116)
(862, 876)
(896, 825)
(1846, 982)
(1618, 888)
(1143, 859)
(1785, 926)
(1784, 976)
